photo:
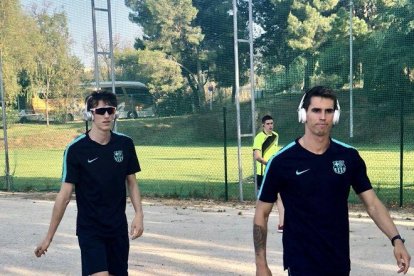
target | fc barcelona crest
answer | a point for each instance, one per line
(339, 166)
(118, 156)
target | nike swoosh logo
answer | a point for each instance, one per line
(90, 161)
(301, 172)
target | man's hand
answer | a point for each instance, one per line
(137, 226)
(402, 257)
(41, 249)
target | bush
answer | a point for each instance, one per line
(11, 114)
(333, 81)
(174, 104)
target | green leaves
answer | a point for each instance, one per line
(161, 74)
(36, 54)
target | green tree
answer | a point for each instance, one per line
(334, 56)
(294, 35)
(68, 79)
(160, 74)
(217, 48)
(16, 29)
(168, 27)
(308, 25)
(126, 66)
(52, 53)
(389, 61)
(276, 55)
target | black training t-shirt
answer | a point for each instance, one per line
(99, 174)
(314, 190)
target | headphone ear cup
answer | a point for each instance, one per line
(87, 116)
(302, 111)
(337, 113)
(335, 120)
(302, 115)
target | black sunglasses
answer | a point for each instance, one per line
(103, 110)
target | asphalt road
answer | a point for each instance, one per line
(180, 238)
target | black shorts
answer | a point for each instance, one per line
(104, 254)
(293, 272)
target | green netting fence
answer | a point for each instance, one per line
(182, 52)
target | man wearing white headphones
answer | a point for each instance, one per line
(314, 175)
(98, 164)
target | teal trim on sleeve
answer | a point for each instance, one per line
(122, 134)
(285, 148)
(342, 144)
(64, 165)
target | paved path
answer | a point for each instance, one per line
(187, 238)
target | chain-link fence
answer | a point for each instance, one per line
(174, 61)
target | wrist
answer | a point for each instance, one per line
(48, 239)
(261, 263)
(397, 238)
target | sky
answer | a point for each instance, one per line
(79, 13)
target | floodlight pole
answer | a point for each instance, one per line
(237, 96)
(6, 143)
(237, 89)
(351, 73)
(252, 88)
(111, 47)
(95, 46)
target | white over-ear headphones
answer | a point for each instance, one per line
(302, 112)
(87, 114)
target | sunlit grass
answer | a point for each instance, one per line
(198, 172)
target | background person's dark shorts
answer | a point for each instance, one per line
(104, 254)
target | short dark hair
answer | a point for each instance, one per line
(107, 97)
(319, 91)
(265, 118)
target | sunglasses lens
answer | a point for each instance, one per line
(103, 110)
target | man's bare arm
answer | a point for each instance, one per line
(258, 157)
(261, 218)
(137, 225)
(59, 208)
(383, 220)
(259, 238)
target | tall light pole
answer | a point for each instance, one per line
(6, 144)
(351, 73)
(237, 88)
(96, 53)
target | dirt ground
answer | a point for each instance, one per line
(180, 238)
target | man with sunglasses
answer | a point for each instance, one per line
(98, 164)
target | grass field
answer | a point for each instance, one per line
(198, 172)
(182, 157)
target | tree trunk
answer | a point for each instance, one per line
(200, 85)
(310, 65)
(47, 102)
(194, 89)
